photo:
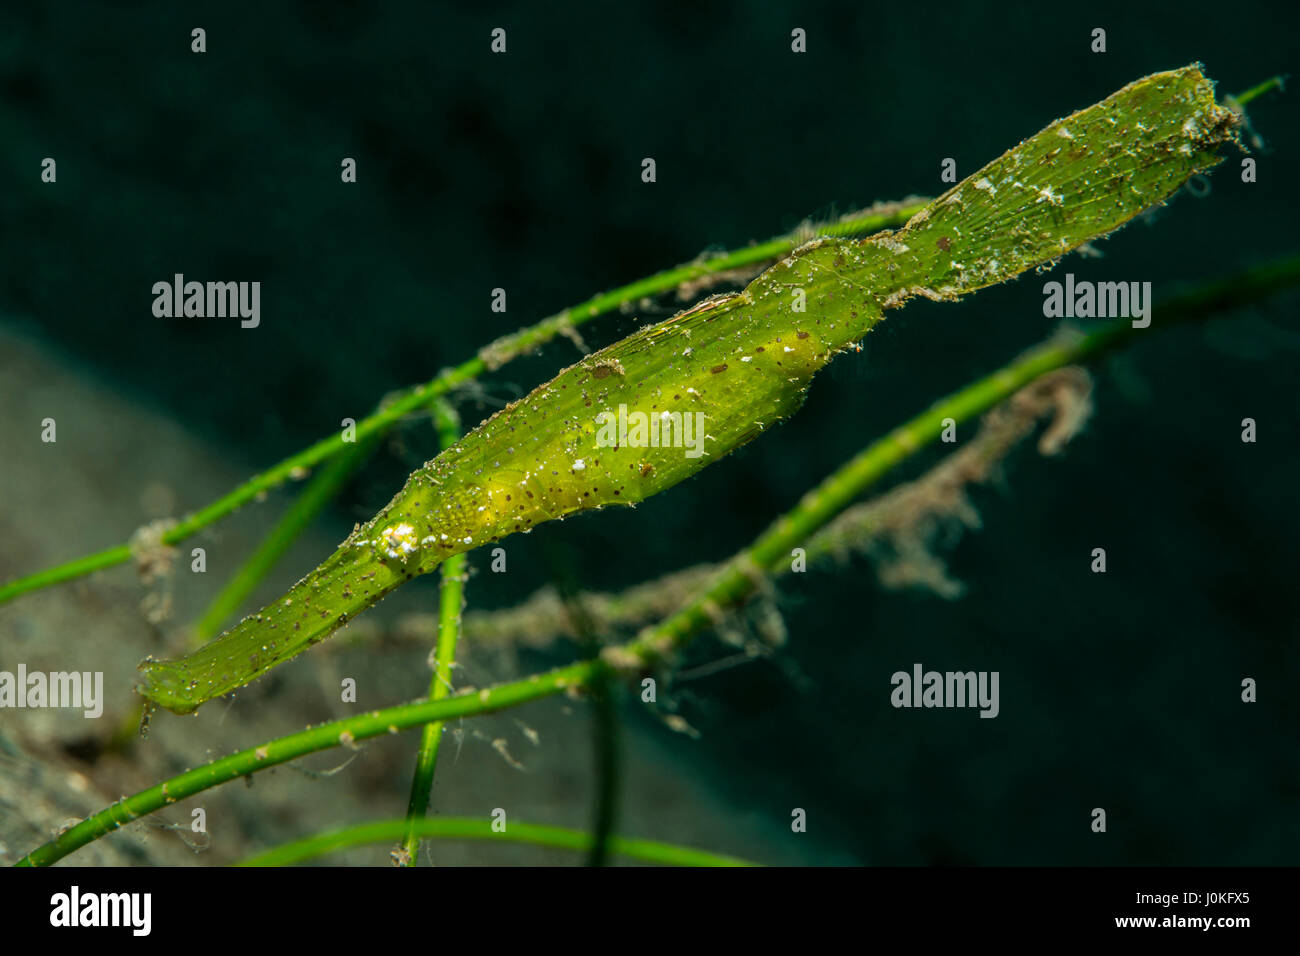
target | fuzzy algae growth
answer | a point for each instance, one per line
(743, 361)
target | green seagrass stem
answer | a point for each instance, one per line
(468, 828)
(451, 602)
(492, 357)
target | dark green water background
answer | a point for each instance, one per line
(522, 171)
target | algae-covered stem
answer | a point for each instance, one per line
(491, 357)
(743, 361)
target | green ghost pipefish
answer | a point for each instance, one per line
(645, 413)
